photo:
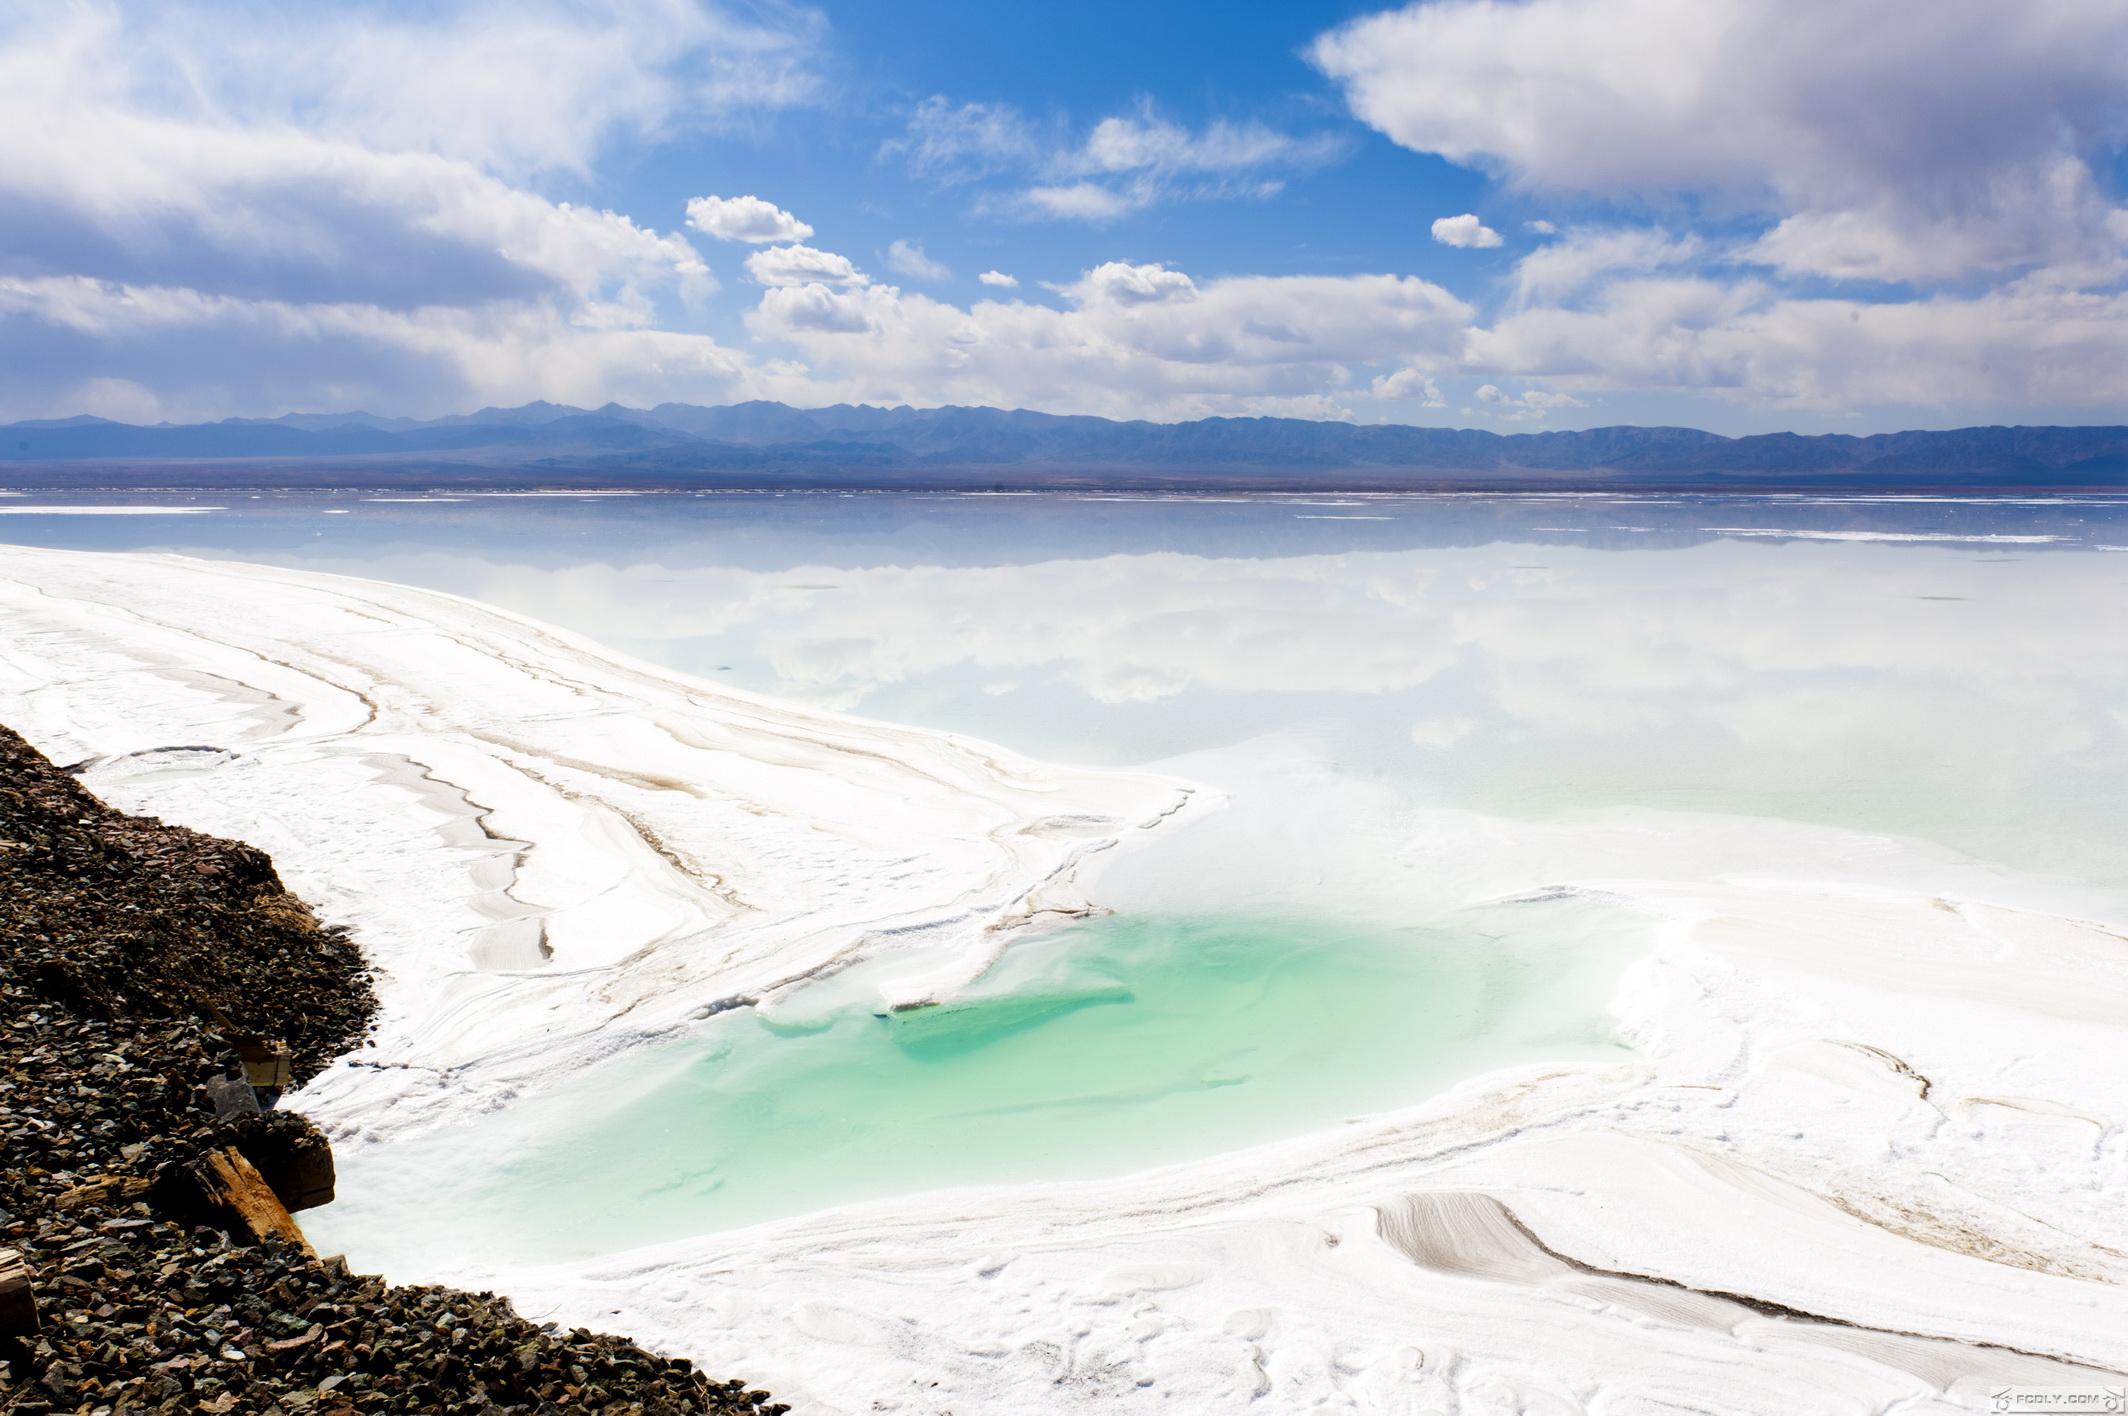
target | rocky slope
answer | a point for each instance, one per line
(131, 953)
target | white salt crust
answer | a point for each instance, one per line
(1871, 1157)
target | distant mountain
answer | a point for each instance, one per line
(680, 444)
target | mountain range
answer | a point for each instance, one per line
(773, 444)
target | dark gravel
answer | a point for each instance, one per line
(128, 949)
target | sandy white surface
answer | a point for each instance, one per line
(1872, 1158)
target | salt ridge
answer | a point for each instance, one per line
(550, 851)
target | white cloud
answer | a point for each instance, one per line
(2054, 215)
(201, 217)
(2028, 344)
(1892, 149)
(1869, 147)
(1415, 384)
(813, 309)
(1464, 230)
(1148, 142)
(1082, 201)
(517, 88)
(1530, 404)
(744, 219)
(907, 258)
(93, 185)
(1562, 268)
(802, 265)
(1130, 162)
(1121, 283)
(208, 356)
(220, 208)
(1540, 228)
(289, 216)
(1132, 340)
(950, 143)
(1633, 333)
(1126, 162)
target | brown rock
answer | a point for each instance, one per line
(18, 1301)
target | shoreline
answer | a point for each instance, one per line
(477, 486)
(1753, 1209)
(151, 1259)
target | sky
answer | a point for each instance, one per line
(1742, 215)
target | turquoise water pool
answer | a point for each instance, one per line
(1099, 1048)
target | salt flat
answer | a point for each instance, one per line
(550, 851)
(1869, 1154)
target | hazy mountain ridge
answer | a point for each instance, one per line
(677, 442)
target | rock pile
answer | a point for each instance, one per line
(142, 1315)
(118, 916)
(130, 954)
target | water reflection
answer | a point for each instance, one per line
(1941, 668)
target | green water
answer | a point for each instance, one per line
(1104, 1048)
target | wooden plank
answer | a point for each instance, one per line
(267, 1062)
(233, 1185)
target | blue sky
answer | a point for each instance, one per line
(1736, 214)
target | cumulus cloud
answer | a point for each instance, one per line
(2056, 215)
(517, 88)
(1560, 269)
(249, 227)
(907, 258)
(1959, 157)
(1887, 149)
(98, 181)
(1409, 383)
(813, 309)
(802, 265)
(1747, 341)
(1123, 284)
(323, 208)
(1531, 404)
(1464, 230)
(1131, 339)
(269, 214)
(744, 219)
(188, 355)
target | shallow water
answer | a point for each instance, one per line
(1356, 674)
(1095, 1049)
